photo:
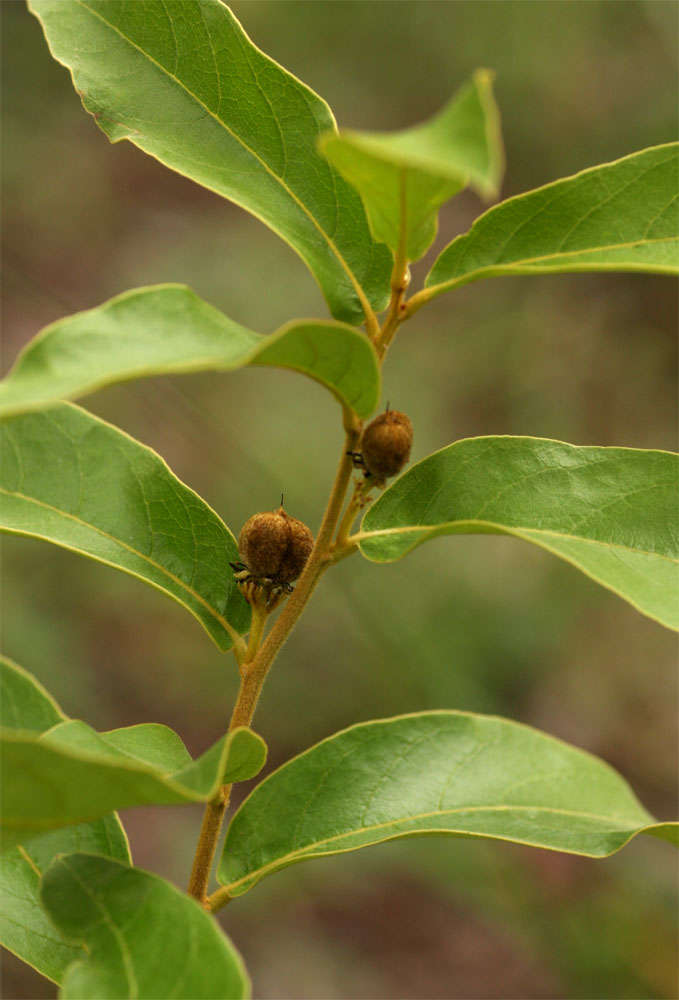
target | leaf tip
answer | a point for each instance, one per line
(484, 77)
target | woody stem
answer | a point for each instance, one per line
(260, 656)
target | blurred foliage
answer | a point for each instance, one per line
(485, 624)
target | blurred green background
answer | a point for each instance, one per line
(479, 623)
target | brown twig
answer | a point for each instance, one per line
(259, 658)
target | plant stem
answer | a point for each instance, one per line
(353, 507)
(215, 809)
(207, 845)
(256, 662)
(418, 300)
(257, 623)
(342, 551)
(318, 560)
(259, 658)
(400, 279)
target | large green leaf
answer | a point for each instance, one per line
(611, 512)
(72, 479)
(404, 177)
(24, 927)
(58, 771)
(167, 329)
(433, 772)
(620, 216)
(144, 938)
(182, 80)
(72, 773)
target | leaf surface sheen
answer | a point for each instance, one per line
(619, 216)
(182, 80)
(168, 329)
(144, 938)
(611, 512)
(440, 772)
(404, 177)
(74, 480)
(24, 926)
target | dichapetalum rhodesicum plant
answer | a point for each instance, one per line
(182, 81)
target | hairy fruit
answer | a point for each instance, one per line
(275, 546)
(386, 443)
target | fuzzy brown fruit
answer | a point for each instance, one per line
(386, 444)
(275, 546)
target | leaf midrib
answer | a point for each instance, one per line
(523, 261)
(307, 848)
(127, 961)
(507, 529)
(118, 541)
(330, 242)
(671, 147)
(557, 190)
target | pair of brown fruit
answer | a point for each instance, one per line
(274, 546)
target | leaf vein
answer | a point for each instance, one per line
(128, 964)
(331, 244)
(626, 825)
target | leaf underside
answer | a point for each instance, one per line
(181, 80)
(404, 177)
(168, 329)
(432, 772)
(144, 939)
(74, 480)
(613, 513)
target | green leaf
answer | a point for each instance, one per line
(24, 927)
(24, 703)
(620, 216)
(144, 938)
(432, 772)
(72, 479)
(182, 80)
(72, 773)
(167, 329)
(404, 177)
(58, 771)
(610, 512)
(148, 743)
